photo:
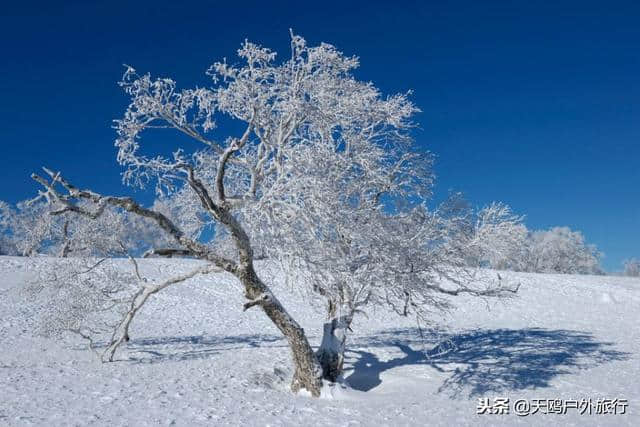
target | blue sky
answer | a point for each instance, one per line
(534, 103)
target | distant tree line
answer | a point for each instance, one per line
(497, 238)
(492, 237)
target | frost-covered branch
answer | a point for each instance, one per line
(121, 332)
(128, 205)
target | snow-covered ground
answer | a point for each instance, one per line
(195, 358)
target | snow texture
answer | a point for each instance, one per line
(195, 358)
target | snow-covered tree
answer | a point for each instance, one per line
(632, 267)
(29, 229)
(7, 243)
(367, 244)
(321, 178)
(561, 250)
(497, 239)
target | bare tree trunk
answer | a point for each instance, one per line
(66, 246)
(308, 373)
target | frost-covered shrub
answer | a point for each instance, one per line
(561, 250)
(498, 238)
(84, 296)
(632, 267)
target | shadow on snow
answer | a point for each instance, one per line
(484, 361)
(477, 362)
(161, 349)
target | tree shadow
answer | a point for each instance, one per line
(489, 360)
(162, 349)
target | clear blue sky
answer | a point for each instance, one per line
(534, 103)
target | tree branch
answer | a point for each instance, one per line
(199, 250)
(121, 332)
(263, 298)
(167, 252)
(233, 147)
(491, 292)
